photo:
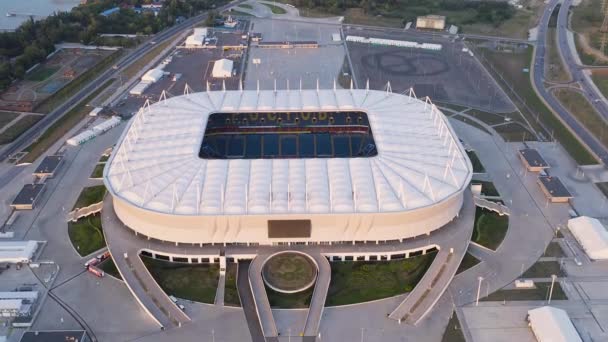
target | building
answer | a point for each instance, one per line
(17, 251)
(13, 308)
(139, 88)
(591, 235)
(28, 197)
(532, 160)
(96, 111)
(256, 37)
(48, 166)
(222, 68)
(55, 336)
(554, 189)
(197, 38)
(153, 75)
(551, 324)
(333, 166)
(433, 22)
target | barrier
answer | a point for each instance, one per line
(392, 42)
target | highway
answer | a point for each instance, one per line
(33, 132)
(539, 67)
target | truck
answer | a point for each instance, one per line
(103, 256)
(90, 263)
(96, 271)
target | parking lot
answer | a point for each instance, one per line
(448, 75)
(294, 64)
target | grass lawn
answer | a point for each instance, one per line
(274, 8)
(86, 234)
(600, 78)
(467, 262)
(487, 117)
(98, 171)
(248, 6)
(487, 188)
(136, 66)
(511, 66)
(61, 127)
(231, 294)
(104, 159)
(362, 281)
(541, 292)
(109, 267)
(453, 332)
(477, 165)
(18, 128)
(90, 195)
(196, 282)
(603, 188)
(290, 301)
(490, 228)
(543, 269)
(555, 71)
(578, 105)
(41, 73)
(6, 117)
(237, 13)
(514, 132)
(554, 250)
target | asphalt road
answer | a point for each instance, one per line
(538, 77)
(31, 134)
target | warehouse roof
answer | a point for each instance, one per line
(551, 324)
(554, 186)
(591, 234)
(28, 194)
(533, 158)
(48, 165)
(156, 166)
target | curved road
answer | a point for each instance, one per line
(539, 66)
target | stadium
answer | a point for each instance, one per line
(277, 167)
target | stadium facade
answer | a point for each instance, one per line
(299, 166)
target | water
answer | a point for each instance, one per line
(39, 8)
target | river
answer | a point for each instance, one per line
(23, 8)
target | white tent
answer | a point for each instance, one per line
(107, 125)
(197, 38)
(17, 251)
(592, 235)
(551, 324)
(222, 68)
(139, 88)
(82, 138)
(153, 75)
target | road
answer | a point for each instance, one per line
(31, 134)
(538, 77)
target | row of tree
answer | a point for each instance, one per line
(31, 42)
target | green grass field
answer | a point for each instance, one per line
(584, 112)
(554, 250)
(298, 300)
(453, 332)
(109, 267)
(18, 128)
(486, 117)
(601, 81)
(490, 228)
(359, 281)
(231, 294)
(196, 282)
(86, 234)
(477, 165)
(467, 262)
(6, 117)
(511, 66)
(274, 8)
(90, 195)
(41, 73)
(541, 292)
(543, 269)
(98, 171)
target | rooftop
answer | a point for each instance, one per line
(28, 194)
(554, 186)
(48, 165)
(157, 167)
(533, 158)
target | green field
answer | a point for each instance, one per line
(490, 228)
(61, 127)
(90, 195)
(231, 294)
(6, 117)
(362, 281)
(510, 66)
(453, 332)
(274, 8)
(601, 81)
(477, 165)
(298, 300)
(237, 13)
(487, 117)
(541, 292)
(247, 6)
(41, 73)
(514, 132)
(98, 171)
(467, 262)
(196, 282)
(18, 128)
(554, 250)
(86, 234)
(543, 269)
(584, 112)
(109, 267)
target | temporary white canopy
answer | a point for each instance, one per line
(592, 235)
(222, 68)
(17, 251)
(139, 88)
(551, 324)
(107, 125)
(153, 75)
(82, 137)
(197, 38)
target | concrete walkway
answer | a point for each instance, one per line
(221, 287)
(260, 298)
(247, 302)
(319, 295)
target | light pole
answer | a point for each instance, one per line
(478, 290)
(553, 277)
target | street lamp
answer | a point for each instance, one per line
(480, 278)
(553, 277)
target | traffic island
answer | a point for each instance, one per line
(289, 272)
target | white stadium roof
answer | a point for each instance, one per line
(156, 165)
(592, 235)
(551, 324)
